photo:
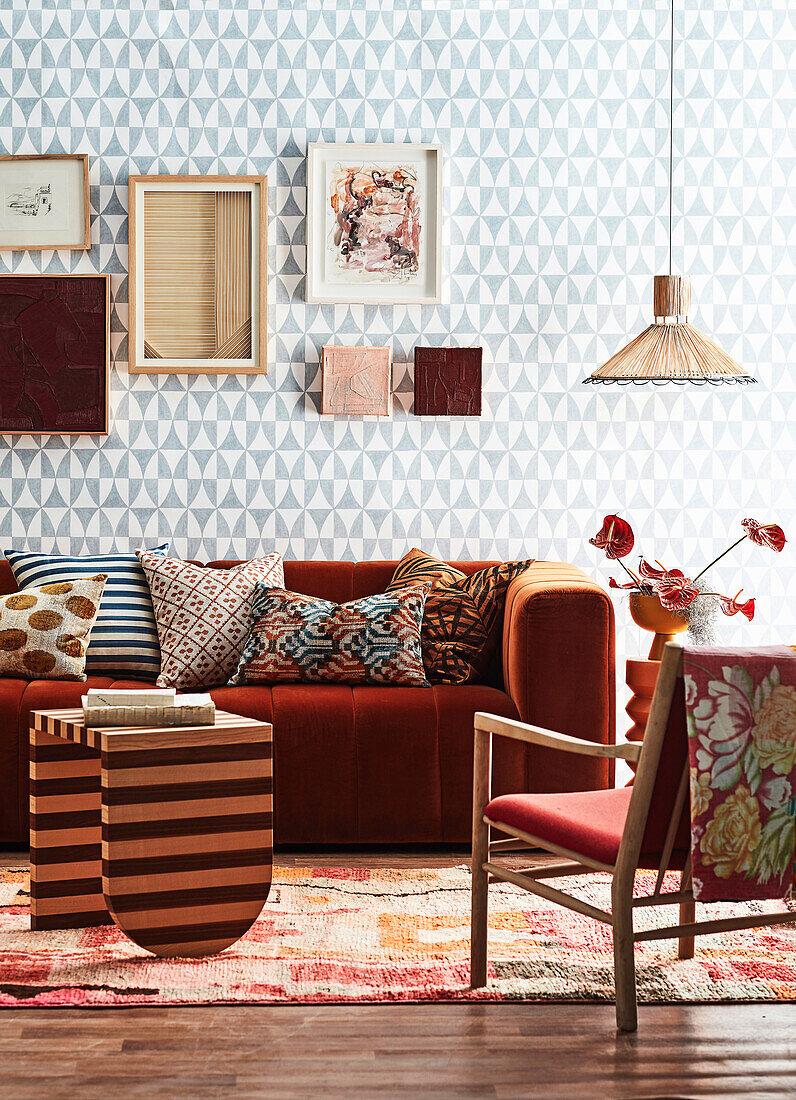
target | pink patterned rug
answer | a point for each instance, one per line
(342, 935)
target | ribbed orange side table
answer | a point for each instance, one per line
(641, 677)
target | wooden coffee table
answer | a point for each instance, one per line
(168, 832)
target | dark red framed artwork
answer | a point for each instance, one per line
(447, 381)
(54, 354)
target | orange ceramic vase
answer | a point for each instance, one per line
(648, 613)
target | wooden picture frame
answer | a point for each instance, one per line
(198, 274)
(56, 364)
(44, 202)
(340, 269)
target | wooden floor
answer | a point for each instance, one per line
(385, 1051)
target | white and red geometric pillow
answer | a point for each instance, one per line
(203, 615)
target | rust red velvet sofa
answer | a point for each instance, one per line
(394, 764)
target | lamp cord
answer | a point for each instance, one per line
(671, 131)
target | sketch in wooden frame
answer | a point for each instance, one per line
(44, 202)
(374, 223)
(198, 248)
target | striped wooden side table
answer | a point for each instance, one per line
(168, 832)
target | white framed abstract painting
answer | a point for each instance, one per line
(374, 223)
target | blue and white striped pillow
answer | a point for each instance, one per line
(125, 635)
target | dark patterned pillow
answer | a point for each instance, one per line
(375, 640)
(417, 567)
(461, 623)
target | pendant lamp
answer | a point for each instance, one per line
(671, 349)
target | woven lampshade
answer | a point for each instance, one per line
(671, 349)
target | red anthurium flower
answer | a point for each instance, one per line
(615, 584)
(732, 606)
(650, 572)
(766, 534)
(673, 589)
(615, 537)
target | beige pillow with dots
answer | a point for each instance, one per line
(44, 632)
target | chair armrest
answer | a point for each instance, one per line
(559, 669)
(549, 739)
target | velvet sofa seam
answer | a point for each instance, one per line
(355, 726)
(442, 817)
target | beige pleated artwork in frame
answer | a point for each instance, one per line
(197, 274)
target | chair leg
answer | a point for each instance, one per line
(478, 920)
(687, 916)
(624, 965)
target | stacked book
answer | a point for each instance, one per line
(104, 707)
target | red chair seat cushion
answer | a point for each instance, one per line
(588, 822)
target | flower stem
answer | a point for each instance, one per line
(738, 543)
(631, 574)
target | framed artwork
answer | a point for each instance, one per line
(448, 381)
(44, 202)
(198, 274)
(54, 354)
(356, 381)
(374, 223)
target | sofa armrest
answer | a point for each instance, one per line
(559, 669)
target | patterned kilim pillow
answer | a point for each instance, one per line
(461, 624)
(204, 615)
(44, 631)
(375, 640)
(125, 638)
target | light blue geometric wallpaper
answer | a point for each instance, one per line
(553, 118)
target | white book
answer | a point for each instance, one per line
(187, 710)
(133, 697)
(201, 700)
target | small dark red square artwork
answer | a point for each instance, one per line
(54, 354)
(447, 381)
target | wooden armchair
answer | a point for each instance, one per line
(614, 831)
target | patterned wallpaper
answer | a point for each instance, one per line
(553, 117)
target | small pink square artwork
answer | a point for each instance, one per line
(356, 381)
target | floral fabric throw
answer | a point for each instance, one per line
(741, 713)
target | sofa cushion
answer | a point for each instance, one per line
(417, 567)
(124, 639)
(362, 764)
(414, 758)
(44, 631)
(203, 615)
(352, 764)
(339, 581)
(374, 576)
(14, 757)
(57, 695)
(590, 823)
(329, 580)
(298, 638)
(463, 615)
